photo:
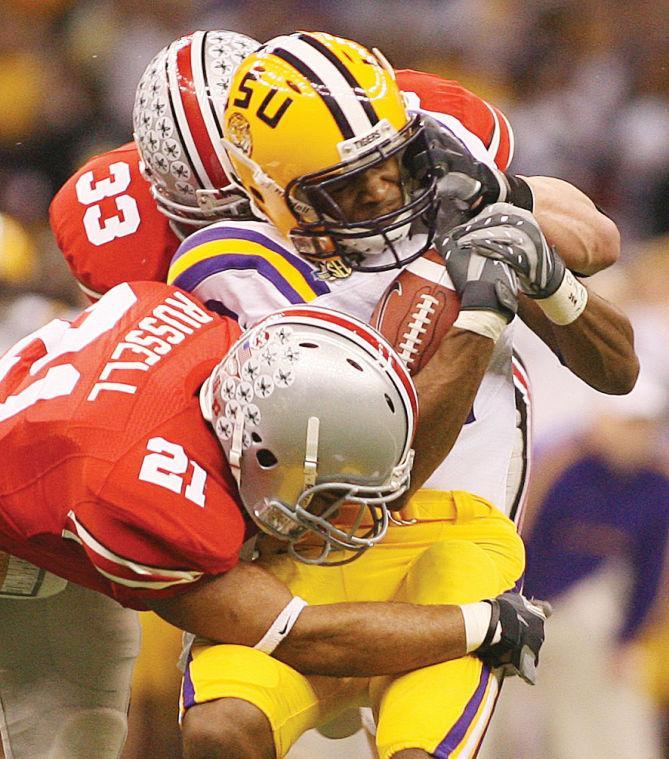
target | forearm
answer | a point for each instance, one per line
(586, 239)
(366, 639)
(598, 346)
(447, 386)
(336, 639)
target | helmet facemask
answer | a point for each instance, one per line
(324, 231)
(229, 202)
(307, 524)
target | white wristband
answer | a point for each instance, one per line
(282, 625)
(477, 620)
(567, 303)
(487, 323)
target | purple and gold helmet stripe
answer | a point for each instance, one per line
(352, 112)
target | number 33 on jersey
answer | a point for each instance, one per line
(90, 192)
(107, 224)
(111, 477)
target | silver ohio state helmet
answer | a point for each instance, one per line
(176, 118)
(316, 414)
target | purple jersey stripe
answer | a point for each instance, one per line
(249, 235)
(457, 733)
(188, 687)
(219, 308)
(197, 273)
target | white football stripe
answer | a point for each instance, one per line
(149, 584)
(482, 718)
(496, 133)
(432, 271)
(337, 85)
(90, 293)
(512, 142)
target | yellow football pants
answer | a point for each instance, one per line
(463, 550)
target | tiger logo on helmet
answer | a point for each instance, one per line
(307, 114)
(176, 118)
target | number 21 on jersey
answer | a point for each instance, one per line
(166, 464)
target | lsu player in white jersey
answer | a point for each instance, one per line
(354, 182)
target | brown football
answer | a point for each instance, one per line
(417, 310)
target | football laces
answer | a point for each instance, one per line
(421, 319)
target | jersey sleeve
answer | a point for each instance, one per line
(108, 226)
(243, 270)
(477, 117)
(165, 518)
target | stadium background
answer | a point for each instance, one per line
(585, 84)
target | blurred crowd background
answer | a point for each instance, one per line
(585, 84)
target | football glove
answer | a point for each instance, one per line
(467, 183)
(483, 284)
(506, 233)
(520, 624)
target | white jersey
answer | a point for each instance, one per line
(247, 269)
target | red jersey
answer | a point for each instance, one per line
(111, 477)
(477, 116)
(108, 226)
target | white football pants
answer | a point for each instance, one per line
(66, 664)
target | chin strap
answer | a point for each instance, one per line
(235, 455)
(311, 452)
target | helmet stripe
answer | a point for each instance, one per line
(321, 90)
(203, 92)
(173, 91)
(346, 73)
(189, 69)
(175, 118)
(342, 101)
(215, 127)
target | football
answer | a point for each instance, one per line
(417, 310)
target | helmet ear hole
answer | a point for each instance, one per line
(266, 458)
(256, 437)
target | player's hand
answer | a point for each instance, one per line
(518, 627)
(482, 283)
(505, 233)
(466, 183)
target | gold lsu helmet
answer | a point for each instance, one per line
(307, 113)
